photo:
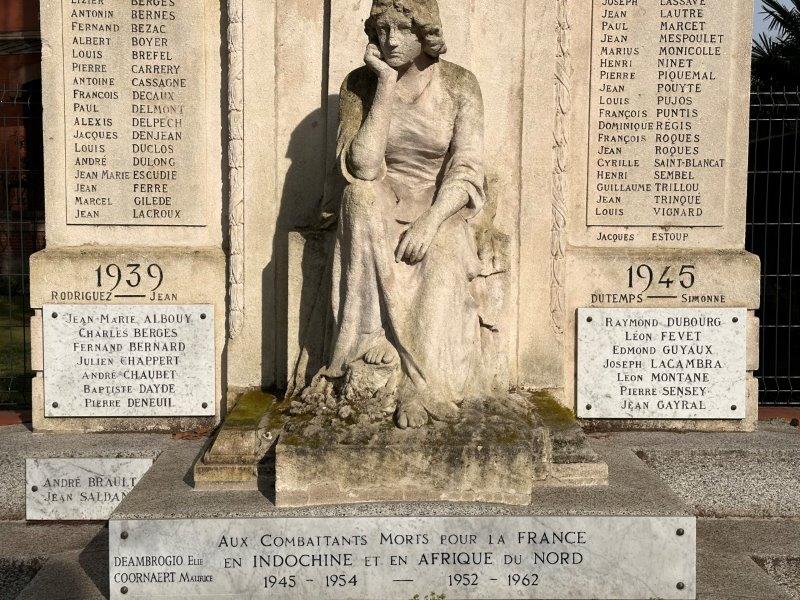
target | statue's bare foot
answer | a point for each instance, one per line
(410, 413)
(382, 353)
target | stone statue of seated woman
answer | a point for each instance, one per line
(410, 250)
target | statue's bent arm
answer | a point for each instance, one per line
(365, 156)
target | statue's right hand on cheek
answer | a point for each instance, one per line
(374, 60)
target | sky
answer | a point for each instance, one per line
(760, 24)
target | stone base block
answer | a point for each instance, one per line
(498, 452)
(230, 477)
(407, 472)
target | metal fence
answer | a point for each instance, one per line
(773, 232)
(21, 232)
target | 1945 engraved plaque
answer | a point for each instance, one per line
(396, 558)
(654, 363)
(128, 360)
(134, 111)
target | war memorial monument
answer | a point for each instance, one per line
(390, 299)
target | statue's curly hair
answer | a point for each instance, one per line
(424, 15)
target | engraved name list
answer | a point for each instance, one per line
(134, 89)
(658, 119)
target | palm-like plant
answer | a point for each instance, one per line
(776, 60)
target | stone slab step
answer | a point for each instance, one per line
(17, 443)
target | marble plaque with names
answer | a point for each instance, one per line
(118, 360)
(79, 489)
(663, 76)
(662, 363)
(363, 558)
(134, 108)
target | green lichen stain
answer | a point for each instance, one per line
(552, 413)
(509, 438)
(252, 406)
(300, 441)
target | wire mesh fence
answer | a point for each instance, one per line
(21, 232)
(773, 232)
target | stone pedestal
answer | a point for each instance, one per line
(498, 451)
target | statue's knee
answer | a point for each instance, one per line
(359, 195)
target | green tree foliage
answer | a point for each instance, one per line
(776, 58)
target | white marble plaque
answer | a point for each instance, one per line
(79, 489)
(662, 363)
(134, 108)
(117, 360)
(396, 558)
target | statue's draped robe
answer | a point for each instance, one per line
(426, 310)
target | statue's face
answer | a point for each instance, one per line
(399, 43)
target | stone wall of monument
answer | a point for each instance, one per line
(134, 181)
(657, 185)
(615, 137)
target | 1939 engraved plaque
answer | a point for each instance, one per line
(128, 360)
(134, 109)
(661, 83)
(76, 489)
(654, 363)
(396, 558)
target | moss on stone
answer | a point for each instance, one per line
(251, 408)
(552, 413)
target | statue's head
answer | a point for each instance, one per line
(403, 29)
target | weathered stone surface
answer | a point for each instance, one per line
(236, 457)
(731, 482)
(79, 489)
(56, 561)
(573, 461)
(500, 450)
(493, 453)
(396, 558)
(785, 570)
